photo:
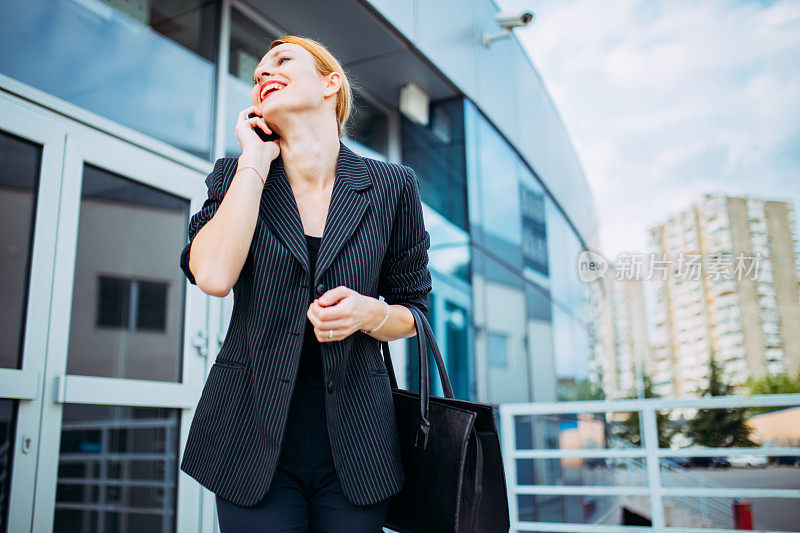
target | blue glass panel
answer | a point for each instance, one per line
(151, 70)
(436, 153)
(458, 356)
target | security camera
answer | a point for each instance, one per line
(507, 20)
(513, 20)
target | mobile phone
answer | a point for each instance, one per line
(261, 133)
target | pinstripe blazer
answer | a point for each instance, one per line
(375, 243)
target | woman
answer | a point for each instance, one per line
(295, 427)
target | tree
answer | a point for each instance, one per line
(773, 384)
(630, 428)
(586, 389)
(719, 428)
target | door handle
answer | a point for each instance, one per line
(200, 343)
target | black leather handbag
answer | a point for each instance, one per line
(451, 455)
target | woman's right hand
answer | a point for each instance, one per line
(249, 140)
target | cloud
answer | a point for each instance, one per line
(666, 100)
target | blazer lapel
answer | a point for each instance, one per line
(347, 207)
(279, 210)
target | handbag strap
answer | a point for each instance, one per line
(444, 377)
(424, 391)
(424, 332)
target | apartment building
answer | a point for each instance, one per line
(728, 286)
(621, 354)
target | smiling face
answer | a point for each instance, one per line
(288, 81)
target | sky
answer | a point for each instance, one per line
(667, 100)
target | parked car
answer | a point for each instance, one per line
(791, 460)
(749, 460)
(721, 462)
(685, 462)
(594, 462)
(709, 462)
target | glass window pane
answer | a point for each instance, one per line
(8, 408)
(20, 164)
(113, 302)
(563, 251)
(449, 250)
(497, 351)
(147, 65)
(248, 44)
(539, 347)
(496, 211)
(458, 356)
(534, 235)
(436, 153)
(128, 294)
(117, 469)
(499, 306)
(368, 125)
(151, 306)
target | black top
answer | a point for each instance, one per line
(311, 358)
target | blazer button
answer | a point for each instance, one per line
(320, 289)
(330, 387)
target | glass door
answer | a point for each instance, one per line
(450, 320)
(104, 355)
(31, 155)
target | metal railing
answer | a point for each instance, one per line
(106, 479)
(657, 460)
(709, 509)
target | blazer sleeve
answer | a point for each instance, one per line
(405, 278)
(206, 212)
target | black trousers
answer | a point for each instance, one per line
(305, 494)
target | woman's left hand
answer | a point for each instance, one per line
(352, 310)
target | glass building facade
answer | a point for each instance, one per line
(113, 112)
